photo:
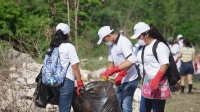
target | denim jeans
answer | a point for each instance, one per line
(64, 94)
(125, 94)
(147, 104)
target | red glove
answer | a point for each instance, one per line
(195, 66)
(80, 85)
(103, 75)
(155, 81)
(119, 77)
(108, 73)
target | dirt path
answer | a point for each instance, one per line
(184, 102)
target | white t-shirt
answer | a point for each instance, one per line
(118, 53)
(136, 48)
(68, 55)
(180, 43)
(175, 50)
(151, 65)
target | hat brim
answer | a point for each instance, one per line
(100, 40)
(135, 36)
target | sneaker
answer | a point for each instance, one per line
(190, 93)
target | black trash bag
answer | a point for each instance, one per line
(97, 96)
(43, 94)
(197, 77)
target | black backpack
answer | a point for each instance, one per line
(172, 72)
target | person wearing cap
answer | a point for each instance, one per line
(174, 48)
(69, 59)
(155, 89)
(187, 56)
(121, 61)
(180, 40)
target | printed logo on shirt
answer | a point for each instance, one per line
(149, 55)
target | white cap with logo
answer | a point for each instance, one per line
(140, 28)
(104, 31)
(179, 36)
(64, 27)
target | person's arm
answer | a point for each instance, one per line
(195, 62)
(179, 56)
(126, 64)
(76, 71)
(110, 65)
(194, 58)
(80, 84)
(164, 68)
(163, 59)
(74, 60)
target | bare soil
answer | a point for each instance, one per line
(184, 102)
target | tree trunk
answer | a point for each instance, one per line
(76, 4)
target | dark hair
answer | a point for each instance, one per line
(57, 40)
(154, 33)
(187, 43)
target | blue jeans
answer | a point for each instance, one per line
(147, 104)
(125, 94)
(64, 94)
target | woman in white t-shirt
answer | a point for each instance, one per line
(69, 61)
(174, 47)
(155, 88)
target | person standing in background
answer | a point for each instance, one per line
(180, 40)
(121, 61)
(174, 48)
(187, 56)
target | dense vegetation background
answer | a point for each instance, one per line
(27, 25)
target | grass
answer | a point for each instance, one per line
(94, 64)
(184, 102)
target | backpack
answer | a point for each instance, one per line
(172, 72)
(53, 74)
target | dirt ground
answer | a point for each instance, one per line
(184, 102)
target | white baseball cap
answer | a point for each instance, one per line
(104, 31)
(64, 27)
(179, 36)
(140, 28)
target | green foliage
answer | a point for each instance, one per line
(94, 64)
(29, 24)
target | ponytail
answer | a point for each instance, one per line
(154, 33)
(57, 40)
